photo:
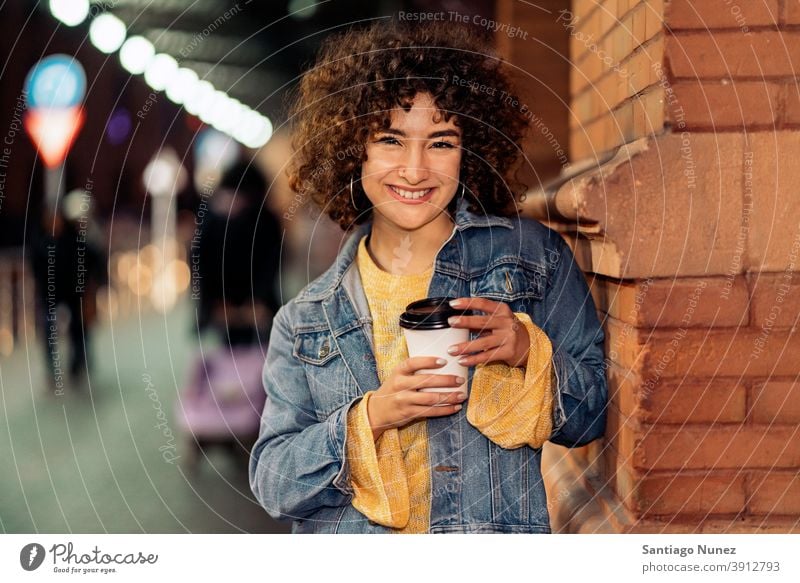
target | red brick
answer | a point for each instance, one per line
(713, 525)
(718, 447)
(792, 8)
(623, 389)
(602, 133)
(610, 459)
(715, 14)
(639, 25)
(717, 400)
(622, 344)
(607, 93)
(638, 72)
(748, 352)
(792, 104)
(619, 475)
(775, 401)
(625, 487)
(773, 234)
(621, 435)
(664, 302)
(699, 494)
(582, 106)
(664, 212)
(622, 40)
(649, 112)
(582, 8)
(589, 22)
(584, 74)
(580, 147)
(654, 17)
(607, 18)
(732, 54)
(727, 104)
(776, 298)
(623, 6)
(623, 120)
(774, 493)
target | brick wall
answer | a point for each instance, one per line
(704, 429)
(690, 237)
(734, 65)
(703, 423)
(615, 90)
(539, 54)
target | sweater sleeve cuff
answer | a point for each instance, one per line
(377, 470)
(513, 407)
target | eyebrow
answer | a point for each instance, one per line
(439, 134)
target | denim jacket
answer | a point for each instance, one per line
(320, 363)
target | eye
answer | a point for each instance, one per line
(387, 140)
(443, 145)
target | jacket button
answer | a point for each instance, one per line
(325, 350)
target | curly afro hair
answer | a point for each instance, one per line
(363, 74)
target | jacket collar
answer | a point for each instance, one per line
(325, 284)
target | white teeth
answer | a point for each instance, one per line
(409, 194)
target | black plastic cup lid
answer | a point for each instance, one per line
(430, 314)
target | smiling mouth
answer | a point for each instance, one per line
(413, 194)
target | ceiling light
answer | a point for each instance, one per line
(107, 33)
(196, 100)
(135, 54)
(70, 12)
(160, 71)
(182, 85)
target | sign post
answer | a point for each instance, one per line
(54, 89)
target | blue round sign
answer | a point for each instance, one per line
(54, 82)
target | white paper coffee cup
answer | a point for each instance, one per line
(427, 333)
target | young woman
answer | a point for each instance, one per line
(408, 135)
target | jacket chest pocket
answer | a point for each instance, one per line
(510, 283)
(331, 384)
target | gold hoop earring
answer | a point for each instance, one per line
(352, 200)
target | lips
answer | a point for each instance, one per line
(410, 196)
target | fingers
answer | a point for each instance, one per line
(430, 399)
(414, 363)
(427, 399)
(439, 411)
(482, 323)
(478, 345)
(407, 406)
(437, 404)
(431, 381)
(482, 304)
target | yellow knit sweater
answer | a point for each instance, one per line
(511, 406)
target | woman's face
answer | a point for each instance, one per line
(411, 171)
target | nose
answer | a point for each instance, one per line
(414, 168)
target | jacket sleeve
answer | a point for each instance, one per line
(571, 323)
(513, 406)
(378, 472)
(298, 464)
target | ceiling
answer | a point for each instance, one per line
(255, 49)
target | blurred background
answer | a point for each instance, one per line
(147, 235)
(142, 163)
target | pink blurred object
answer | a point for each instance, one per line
(223, 402)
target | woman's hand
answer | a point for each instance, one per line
(503, 337)
(399, 402)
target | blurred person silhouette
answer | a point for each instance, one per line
(68, 266)
(239, 258)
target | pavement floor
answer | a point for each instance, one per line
(92, 460)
